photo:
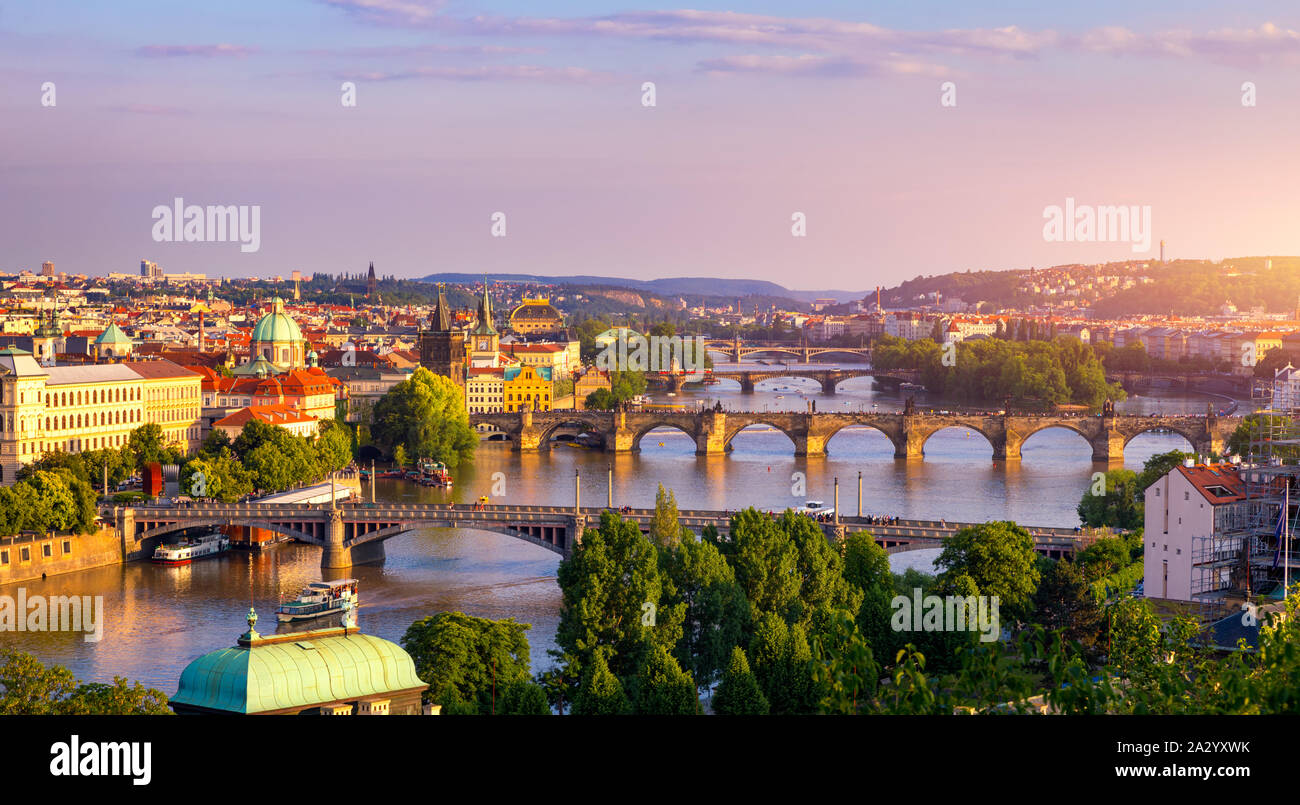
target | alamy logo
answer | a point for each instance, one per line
(59, 613)
(1107, 224)
(102, 759)
(955, 613)
(656, 353)
(181, 223)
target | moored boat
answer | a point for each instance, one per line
(188, 550)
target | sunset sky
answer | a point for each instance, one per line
(468, 107)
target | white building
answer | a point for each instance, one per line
(1180, 512)
(1286, 389)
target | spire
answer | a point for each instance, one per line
(442, 313)
(485, 313)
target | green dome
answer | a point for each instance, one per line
(301, 674)
(113, 335)
(277, 325)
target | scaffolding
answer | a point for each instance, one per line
(1246, 558)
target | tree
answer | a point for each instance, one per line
(601, 694)
(999, 558)
(399, 456)
(782, 663)
(766, 562)
(600, 400)
(58, 506)
(1118, 507)
(29, 688)
(524, 699)
(216, 440)
(334, 445)
(469, 660)
(866, 567)
(146, 443)
(665, 530)
(716, 612)
(662, 687)
(1064, 602)
(1157, 467)
(612, 598)
(425, 413)
(738, 693)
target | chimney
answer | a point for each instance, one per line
(1189, 462)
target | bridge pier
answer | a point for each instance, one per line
(829, 382)
(336, 555)
(1007, 447)
(746, 383)
(1108, 447)
(711, 436)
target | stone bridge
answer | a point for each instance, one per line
(713, 431)
(829, 378)
(354, 533)
(736, 349)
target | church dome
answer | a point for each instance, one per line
(277, 325)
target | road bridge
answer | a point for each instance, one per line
(736, 349)
(354, 533)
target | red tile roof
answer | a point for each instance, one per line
(1219, 483)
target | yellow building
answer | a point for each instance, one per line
(528, 388)
(555, 357)
(536, 316)
(590, 381)
(173, 399)
(74, 409)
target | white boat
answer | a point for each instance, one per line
(187, 550)
(318, 599)
(813, 508)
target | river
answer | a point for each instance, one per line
(157, 619)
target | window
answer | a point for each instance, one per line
(47, 550)
(67, 547)
(4, 557)
(26, 554)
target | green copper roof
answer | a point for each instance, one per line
(484, 326)
(277, 325)
(113, 335)
(255, 366)
(297, 674)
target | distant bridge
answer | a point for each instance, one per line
(713, 431)
(829, 378)
(354, 533)
(737, 349)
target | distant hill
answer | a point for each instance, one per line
(674, 286)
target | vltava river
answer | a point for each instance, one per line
(160, 618)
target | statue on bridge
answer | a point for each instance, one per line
(1108, 407)
(909, 406)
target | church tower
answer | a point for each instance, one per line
(442, 349)
(371, 283)
(484, 339)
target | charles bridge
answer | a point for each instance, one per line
(713, 431)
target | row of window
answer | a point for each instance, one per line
(25, 552)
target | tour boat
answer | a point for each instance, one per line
(320, 598)
(434, 473)
(187, 550)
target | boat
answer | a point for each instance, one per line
(434, 473)
(187, 550)
(911, 387)
(318, 599)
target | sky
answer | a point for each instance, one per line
(908, 138)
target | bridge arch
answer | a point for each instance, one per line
(968, 426)
(861, 426)
(645, 428)
(1192, 440)
(732, 433)
(398, 529)
(587, 422)
(184, 525)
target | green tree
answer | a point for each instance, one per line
(662, 687)
(999, 558)
(782, 663)
(1118, 507)
(524, 699)
(665, 529)
(29, 688)
(1064, 602)
(146, 444)
(399, 456)
(716, 612)
(334, 445)
(468, 660)
(738, 693)
(426, 413)
(1157, 467)
(58, 507)
(766, 562)
(601, 693)
(610, 585)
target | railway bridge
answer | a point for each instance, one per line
(713, 431)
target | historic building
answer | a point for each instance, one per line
(485, 390)
(173, 400)
(113, 344)
(278, 340)
(536, 316)
(484, 340)
(442, 349)
(334, 671)
(528, 388)
(278, 414)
